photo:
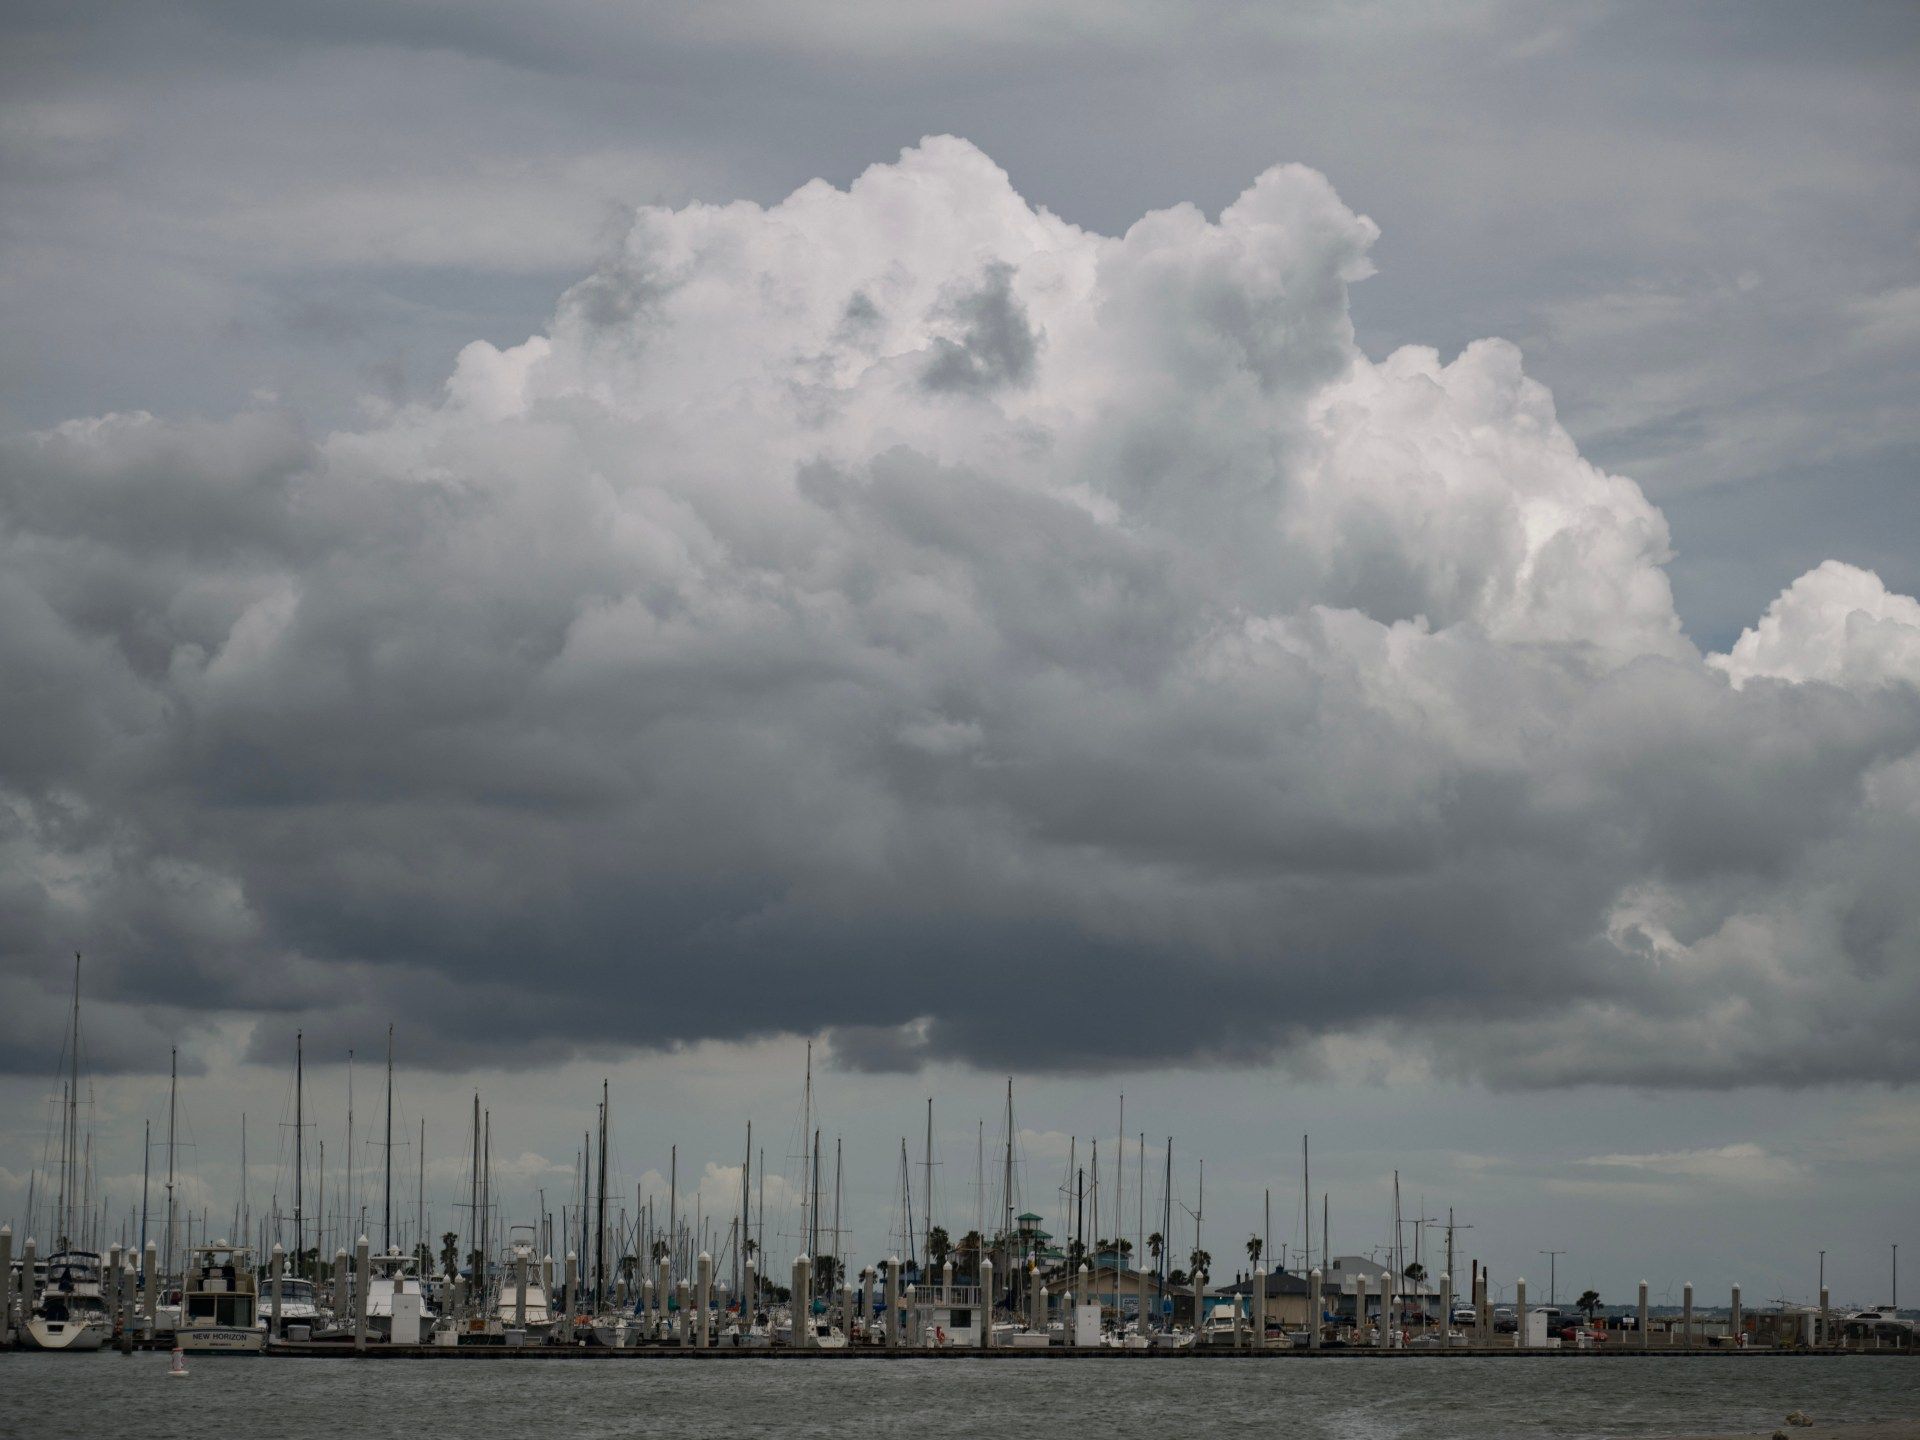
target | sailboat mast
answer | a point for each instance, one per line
(146, 1162)
(420, 1201)
(813, 1238)
(473, 1199)
(1306, 1200)
(299, 1140)
(1166, 1218)
(600, 1214)
(806, 1140)
(386, 1222)
(351, 1200)
(746, 1234)
(926, 1192)
(173, 1087)
(70, 1122)
(1007, 1183)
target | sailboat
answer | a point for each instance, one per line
(72, 1313)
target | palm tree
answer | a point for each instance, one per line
(1416, 1272)
(661, 1249)
(450, 1254)
(1589, 1301)
(939, 1247)
(1200, 1260)
(1155, 1244)
(1254, 1247)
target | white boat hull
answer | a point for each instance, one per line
(67, 1334)
(221, 1340)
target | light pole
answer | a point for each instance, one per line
(1553, 1257)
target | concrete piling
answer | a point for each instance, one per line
(662, 1292)
(895, 1324)
(1199, 1304)
(1085, 1291)
(946, 1282)
(1446, 1309)
(703, 1298)
(1520, 1313)
(277, 1264)
(986, 1303)
(520, 1290)
(1041, 1303)
(847, 1309)
(802, 1307)
(127, 1325)
(30, 1287)
(1314, 1309)
(150, 1284)
(1735, 1313)
(1486, 1307)
(361, 1280)
(1826, 1318)
(683, 1301)
(6, 1284)
(1646, 1336)
(750, 1294)
(1260, 1307)
(1359, 1307)
(1686, 1315)
(340, 1284)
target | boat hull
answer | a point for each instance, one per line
(76, 1335)
(221, 1340)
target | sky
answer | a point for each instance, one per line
(1334, 569)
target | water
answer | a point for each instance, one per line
(1343, 1399)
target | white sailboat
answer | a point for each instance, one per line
(72, 1313)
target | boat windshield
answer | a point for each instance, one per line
(72, 1268)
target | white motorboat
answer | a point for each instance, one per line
(393, 1284)
(220, 1306)
(72, 1313)
(616, 1331)
(538, 1317)
(753, 1335)
(299, 1304)
(1879, 1317)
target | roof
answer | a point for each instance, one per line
(1279, 1282)
(1028, 1216)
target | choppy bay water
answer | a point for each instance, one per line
(54, 1397)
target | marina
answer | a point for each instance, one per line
(628, 1286)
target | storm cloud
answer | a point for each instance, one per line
(901, 613)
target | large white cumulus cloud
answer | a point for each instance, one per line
(902, 612)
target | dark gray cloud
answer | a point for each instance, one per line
(706, 666)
